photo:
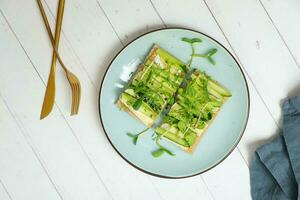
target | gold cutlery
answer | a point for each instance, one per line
(73, 80)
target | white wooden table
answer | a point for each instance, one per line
(69, 158)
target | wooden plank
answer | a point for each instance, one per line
(20, 170)
(3, 193)
(126, 16)
(198, 17)
(230, 179)
(52, 139)
(190, 188)
(285, 16)
(84, 59)
(260, 49)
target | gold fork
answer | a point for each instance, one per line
(73, 80)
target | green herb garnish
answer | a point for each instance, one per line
(191, 40)
(137, 104)
(135, 137)
(181, 125)
(184, 68)
(171, 100)
(161, 149)
(207, 55)
(157, 153)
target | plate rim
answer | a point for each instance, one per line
(219, 161)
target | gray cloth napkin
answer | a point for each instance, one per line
(275, 168)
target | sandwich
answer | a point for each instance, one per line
(197, 104)
(153, 86)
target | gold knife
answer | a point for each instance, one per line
(50, 90)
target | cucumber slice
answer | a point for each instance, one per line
(172, 137)
(213, 98)
(190, 137)
(167, 56)
(218, 88)
(215, 103)
(213, 92)
(144, 108)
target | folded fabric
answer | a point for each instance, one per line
(275, 167)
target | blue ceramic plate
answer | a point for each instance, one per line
(219, 140)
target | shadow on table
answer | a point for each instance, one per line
(251, 147)
(292, 93)
(254, 145)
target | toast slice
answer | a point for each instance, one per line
(153, 86)
(197, 104)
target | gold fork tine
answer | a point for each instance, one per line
(77, 98)
(74, 92)
(73, 100)
(79, 93)
(74, 96)
(73, 80)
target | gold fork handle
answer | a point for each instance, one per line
(58, 25)
(46, 22)
(50, 90)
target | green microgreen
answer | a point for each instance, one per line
(135, 137)
(191, 40)
(171, 100)
(184, 68)
(157, 153)
(161, 149)
(208, 55)
(137, 104)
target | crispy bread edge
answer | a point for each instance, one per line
(124, 107)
